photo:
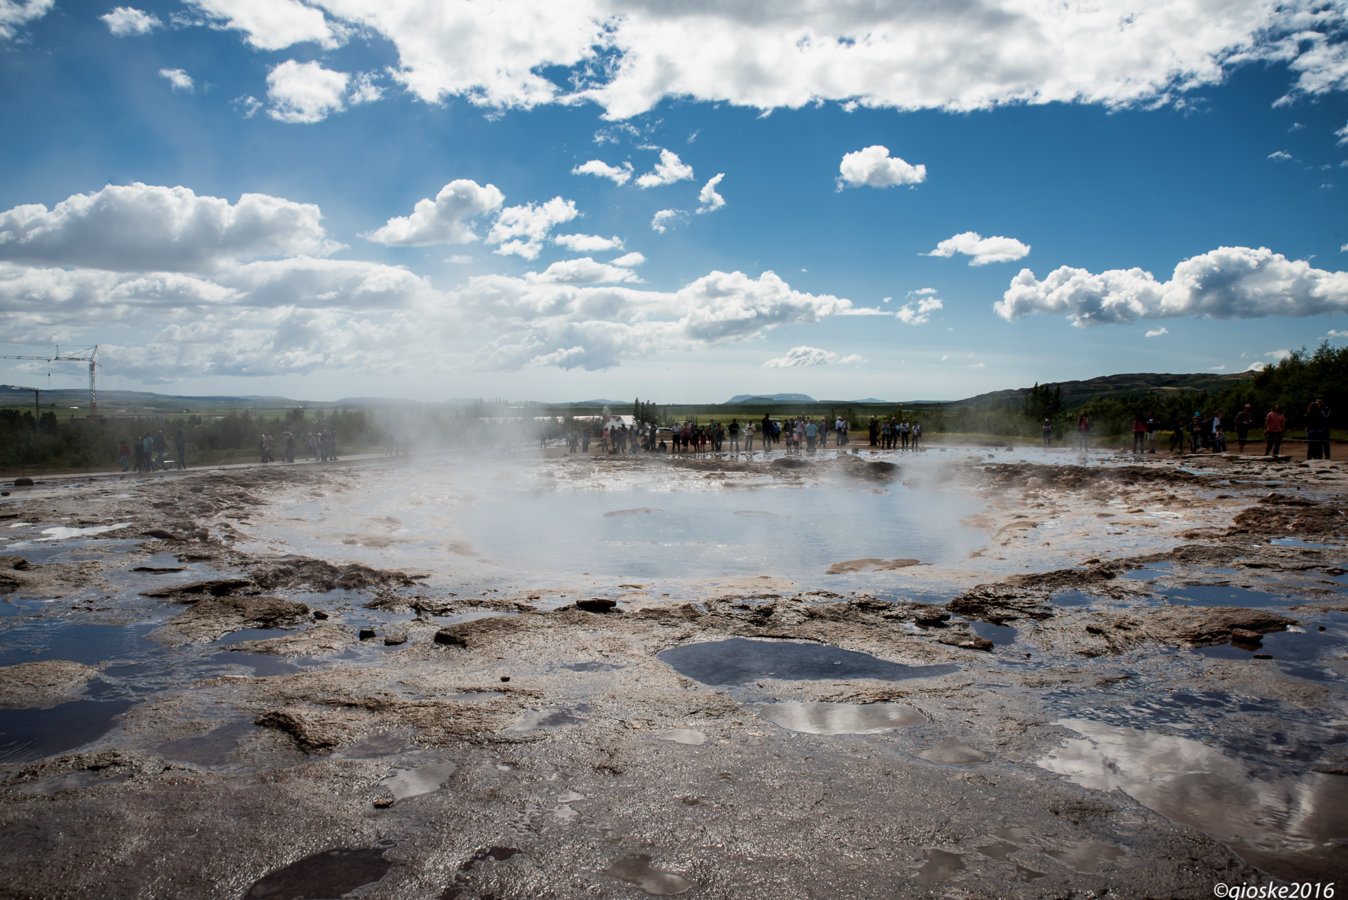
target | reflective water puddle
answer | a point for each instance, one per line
(840, 718)
(739, 661)
(1292, 826)
(636, 869)
(31, 734)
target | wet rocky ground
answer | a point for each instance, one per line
(1134, 685)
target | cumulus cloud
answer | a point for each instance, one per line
(982, 250)
(627, 57)
(919, 313)
(584, 271)
(14, 14)
(664, 218)
(798, 357)
(1342, 134)
(444, 220)
(125, 21)
(178, 79)
(1280, 155)
(667, 171)
(708, 200)
(588, 243)
(874, 167)
(273, 24)
(600, 169)
(147, 227)
(521, 230)
(305, 92)
(1157, 332)
(1226, 283)
(630, 260)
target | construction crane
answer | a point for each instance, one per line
(90, 356)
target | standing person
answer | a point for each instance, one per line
(1317, 429)
(180, 447)
(147, 444)
(811, 434)
(1244, 420)
(1216, 433)
(1274, 424)
(1196, 431)
(874, 431)
(1047, 429)
(124, 455)
(1177, 435)
(734, 435)
(749, 437)
(1153, 425)
(1139, 434)
(289, 447)
(916, 435)
(1083, 432)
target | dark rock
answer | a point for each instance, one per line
(366, 634)
(216, 587)
(319, 614)
(13, 562)
(394, 638)
(23, 482)
(450, 638)
(597, 604)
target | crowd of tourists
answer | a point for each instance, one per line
(1207, 431)
(149, 452)
(792, 434)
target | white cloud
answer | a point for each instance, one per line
(147, 227)
(600, 169)
(444, 220)
(708, 200)
(305, 92)
(667, 171)
(125, 21)
(1280, 155)
(874, 167)
(1226, 283)
(1337, 334)
(364, 90)
(1157, 332)
(14, 14)
(521, 230)
(983, 250)
(664, 218)
(273, 24)
(178, 79)
(628, 56)
(1256, 367)
(630, 260)
(799, 357)
(919, 314)
(583, 271)
(588, 243)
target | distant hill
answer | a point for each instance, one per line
(771, 398)
(1075, 393)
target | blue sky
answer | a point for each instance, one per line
(538, 199)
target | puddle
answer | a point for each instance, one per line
(65, 532)
(998, 634)
(1147, 573)
(1297, 542)
(951, 752)
(544, 718)
(690, 736)
(739, 661)
(636, 869)
(27, 735)
(44, 639)
(840, 718)
(414, 782)
(940, 865)
(332, 873)
(1295, 645)
(211, 749)
(1085, 857)
(1292, 826)
(1224, 595)
(1074, 598)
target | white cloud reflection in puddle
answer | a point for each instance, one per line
(1292, 826)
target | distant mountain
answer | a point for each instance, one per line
(1075, 393)
(771, 398)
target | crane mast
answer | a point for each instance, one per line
(90, 356)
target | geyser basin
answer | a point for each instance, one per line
(742, 661)
(523, 522)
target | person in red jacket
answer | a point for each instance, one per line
(1274, 425)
